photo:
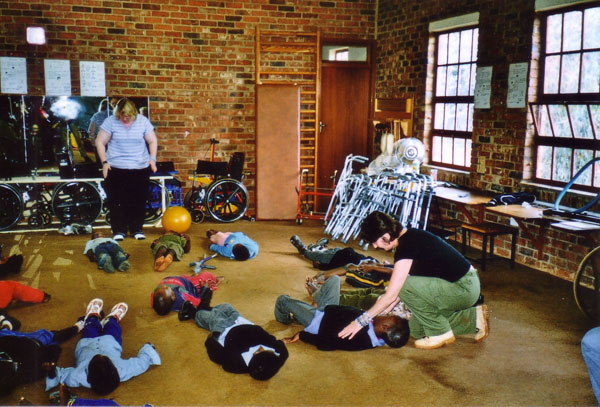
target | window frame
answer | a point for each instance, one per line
(469, 100)
(577, 145)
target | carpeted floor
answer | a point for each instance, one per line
(532, 357)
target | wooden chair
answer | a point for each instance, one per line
(489, 230)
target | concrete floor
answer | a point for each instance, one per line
(531, 358)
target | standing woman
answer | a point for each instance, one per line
(127, 146)
(435, 281)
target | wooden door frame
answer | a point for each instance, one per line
(370, 63)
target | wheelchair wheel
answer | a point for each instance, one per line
(76, 202)
(11, 206)
(227, 200)
(586, 288)
(194, 202)
(154, 203)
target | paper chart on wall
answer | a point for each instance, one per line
(92, 78)
(14, 75)
(483, 87)
(57, 73)
(517, 85)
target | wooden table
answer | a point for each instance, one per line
(463, 199)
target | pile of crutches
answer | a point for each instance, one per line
(406, 197)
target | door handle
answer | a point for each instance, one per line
(321, 125)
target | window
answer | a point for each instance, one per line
(455, 66)
(566, 116)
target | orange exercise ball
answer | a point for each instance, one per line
(176, 219)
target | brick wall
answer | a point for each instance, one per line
(194, 59)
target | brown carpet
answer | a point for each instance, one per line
(532, 357)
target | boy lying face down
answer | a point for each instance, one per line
(323, 322)
(237, 344)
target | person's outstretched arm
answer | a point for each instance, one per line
(399, 275)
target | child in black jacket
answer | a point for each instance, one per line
(323, 322)
(238, 345)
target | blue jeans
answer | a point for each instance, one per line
(288, 310)
(218, 318)
(93, 328)
(590, 349)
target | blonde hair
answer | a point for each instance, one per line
(125, 107)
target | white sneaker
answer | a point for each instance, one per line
(483, 323)
(118, 311)
(139, 236)
(119, 237)
(434, 342)
(94, 307)
(79, 324)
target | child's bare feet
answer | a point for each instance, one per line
(168, 259)
(311, 286)
(158, 263)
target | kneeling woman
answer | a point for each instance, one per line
(437, 284)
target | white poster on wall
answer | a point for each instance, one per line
(483, 87)
(517, 85)
(57, 73)
(92, 78)
(14, 75)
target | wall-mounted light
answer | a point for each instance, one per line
(36, 35)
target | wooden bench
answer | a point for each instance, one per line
(489, 230)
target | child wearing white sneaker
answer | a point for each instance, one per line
(107, 253)
(99, 365)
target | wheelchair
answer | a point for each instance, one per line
(70, 202)
(220, 192)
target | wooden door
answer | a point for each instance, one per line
(345, 96)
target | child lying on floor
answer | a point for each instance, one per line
(237, 344)
(99, 364)
(323, 322)
(170, 294)
(168, 248)
(236, 245)
(12, 291)
(107, 253)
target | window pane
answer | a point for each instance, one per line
(562, 164)
(544, 162)
(473, 74)
(462, 116)
(551, 74)
(451, 81)
(466, 38)
(595, 110)
(572, 31)
(597, 171)
(453, 42)
(440, 87)
(442, 49)
(560, 122)
(569, 80)
(590, 72)
(436, 148)
(591, 28)
(449, 116)
(464, 79)
(553, 33)
(459, 151)
(475, 44)
(542, 121)
(438, 122)
(580, 120)
(582, 157)
(470, 118)
(468, 153)
(447, 150)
